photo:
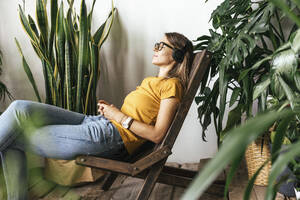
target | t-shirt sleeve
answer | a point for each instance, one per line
(171, 88)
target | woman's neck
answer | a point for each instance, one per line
(164, 71)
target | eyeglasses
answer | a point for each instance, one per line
(160, 45)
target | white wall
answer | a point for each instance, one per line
(125, 57)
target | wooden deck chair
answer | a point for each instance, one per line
(151, 166)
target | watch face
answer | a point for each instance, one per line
(125, 125)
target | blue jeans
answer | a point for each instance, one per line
(51, 132)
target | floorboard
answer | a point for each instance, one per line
(127, 188)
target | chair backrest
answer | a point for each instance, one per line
(199, 67)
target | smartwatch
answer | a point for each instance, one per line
(127, 122)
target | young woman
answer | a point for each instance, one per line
(54, 132)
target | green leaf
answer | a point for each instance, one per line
(263, 101)
(278, 139)
(240, 48)
(53, 11)
(98, 34)
(203, 37)
(295, 41)
(247, 83)
(28, 72)
(71, 35)
(252, 180)
(285, 63)
(83, 53)
(33, 26)
(234, 119)
(261, 87)
(106, 31)
(26, 26)
(90, 15)
(216, 41)
(89, 88)
(234, 96)
(226, 13)
(255, 66)
(233, 169)
(68, 86)
(209, 105)
(231, 149)
(276, 87)
(94, 66)
(285, 139)
(295, 103)
(279, 165)
(243, 74)
(259, 22)
(41, 15)
(223, 82)
(297, 80)
(60, 42)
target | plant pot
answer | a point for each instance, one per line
(255, 156)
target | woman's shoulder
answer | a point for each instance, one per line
(163, 80)
(173, 81)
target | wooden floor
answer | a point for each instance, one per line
(126, 188)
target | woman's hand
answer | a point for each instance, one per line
(100, 106)
(110, 111)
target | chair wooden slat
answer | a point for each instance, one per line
(200, 64)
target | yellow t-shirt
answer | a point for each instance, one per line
(143, 105)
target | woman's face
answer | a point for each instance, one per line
(163, 53)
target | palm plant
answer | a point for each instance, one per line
(69, 53)
(256, 60)
(244, 32)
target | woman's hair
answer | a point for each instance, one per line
(181, 70)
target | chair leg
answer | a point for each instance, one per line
(109, 181)
(150, 180)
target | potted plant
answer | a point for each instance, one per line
(254, 59)
(69, 54)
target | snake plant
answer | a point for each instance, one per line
(69, 53)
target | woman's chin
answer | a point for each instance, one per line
(154, 62)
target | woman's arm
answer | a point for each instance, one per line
(154, 133)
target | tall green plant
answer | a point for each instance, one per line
(255, 59)
(245, 31)
(69, 53)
